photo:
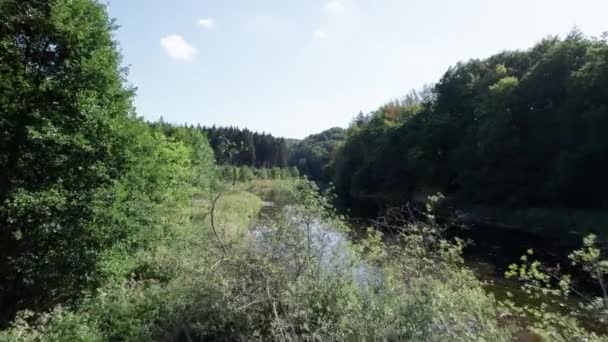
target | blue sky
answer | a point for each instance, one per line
(296, 67)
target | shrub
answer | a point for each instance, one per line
(245, 174)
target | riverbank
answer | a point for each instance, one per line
(294, 276)
(555, 223)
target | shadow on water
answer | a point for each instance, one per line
(501, 247)
(489, 253)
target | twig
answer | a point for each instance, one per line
(243, 307)
(274, 310)
(212, 214)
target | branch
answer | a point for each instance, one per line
(212, 215)
(274, 310)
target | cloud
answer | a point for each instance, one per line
(178, 48)
(334, 8)
(319, 34)
(207, 23)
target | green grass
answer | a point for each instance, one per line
(278, 191)
(235, 210)
(234, 213)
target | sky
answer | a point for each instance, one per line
(297, 67)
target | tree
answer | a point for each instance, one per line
(242, 147)
(312, 155)
(518, 129)
(65, 112)
(81, 178)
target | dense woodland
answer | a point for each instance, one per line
(240, 147)
(313, 154)
(116, 229)
(518, 129)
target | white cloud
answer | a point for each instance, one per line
(319, 34)
(207, 23)
(178, 48)
(334, 8)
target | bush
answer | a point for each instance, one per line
(261, 173)
(294, 172)
(276, 173)
(245, 174)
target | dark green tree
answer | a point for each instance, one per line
(313, 154)
(518, 129)
(79, 174)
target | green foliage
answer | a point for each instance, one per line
(549, 285)
(518, 129)
(261, 173)
(245, 174)
(312, 155)
(66, 118)
(243, 147)
(227, 172)
(115, 229)
(276, 173)
(201, 153)
(288, 287)
(83, 181)
(293, 172)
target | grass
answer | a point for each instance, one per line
(235, 210)
(279, 191)
(234, 213)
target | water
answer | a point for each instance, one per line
(327, 245)
(491, 251)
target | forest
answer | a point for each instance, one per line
(520, 130)
(113, 228)
(239, 147)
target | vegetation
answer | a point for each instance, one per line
(246, 174)
(520, 129)
(243, 147)
(76, 163)
(120, 230)
(313, 154)
(285, 284)
(240, 147)
(552, 285)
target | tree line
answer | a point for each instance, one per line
(517, 129)
(240, 147)
(244, 148)
(313, 154)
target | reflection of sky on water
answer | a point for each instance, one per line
(329, 247)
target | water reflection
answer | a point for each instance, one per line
(308, 235)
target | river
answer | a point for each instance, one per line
(489, 253)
